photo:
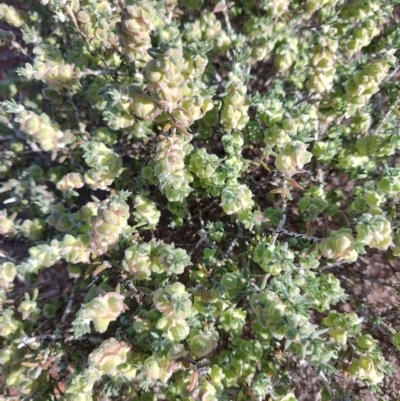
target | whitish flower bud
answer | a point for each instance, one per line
(234, 111)
(75, 250)
(32, 229)
(217, 376)
(361, 122)
(203, 164)
(7, 354)
(374, 231)
(8, 324)
(60, 218)
(47, 135)
(339, 335)
(234, 118)
(292, 158)
(202, 344)
(236, 198)
(70, 181)
(366, 368)
(175, 329)
(176, 351)
(271, 111)
(191, 109)
(208, 391)
(11, 15)
(276, 136)
(100, 157)
(275, 7)
(111, 221)
(7, 274)
(137, 261)
(232, 320)
(138, 20)
(170, 168)
(366, 82)
(170, 259)
(109, 356)
(80, 386)
(29, 308)
(57, 75)
(44, 255)
(156, 368)
(273, 258)
(141, 325)
(146, 211)
(173, 300)
(285, 55)
(232, 142)
(6, 224)
(102, 310)
(142, 105)
(339, 245)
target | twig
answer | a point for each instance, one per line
(394, 72)
(226, 16)
(203, 234)
(17, 46)
(76, 111)
(17, 291)
(332, 265)
(304, 363)
(6, 256)
(325, 128)
(387, 115)
(84, 37)
(326, 383)
(264, 281)
(223, 7)
(26, 341)
(6, 138)
(128, 285)
(75, 23)
(88, 72)
(204, 238)
(283, 217)
(235, 240)
(218, 77)
(298, 235)
(70, 302)
(384, 328)
(390, 111)
(281, 230)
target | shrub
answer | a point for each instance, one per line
(166, 164)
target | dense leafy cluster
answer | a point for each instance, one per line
(171, 159)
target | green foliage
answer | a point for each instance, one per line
(172, 168)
